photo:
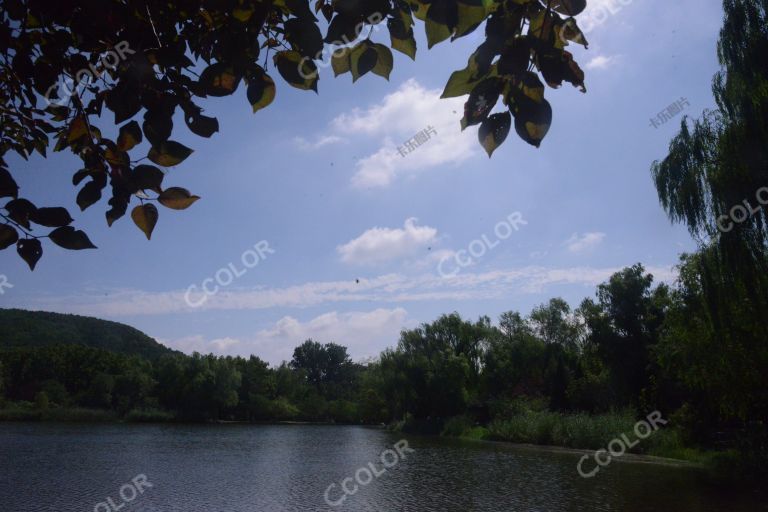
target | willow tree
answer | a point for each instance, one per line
(717, 166)
(145, 66)
(715, 181)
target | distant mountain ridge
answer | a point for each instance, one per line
(21, 328)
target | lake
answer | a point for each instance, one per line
(251, 468)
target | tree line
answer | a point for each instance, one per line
(636, 345)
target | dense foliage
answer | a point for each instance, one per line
(715, 181)
(624, 350)
(162, 57)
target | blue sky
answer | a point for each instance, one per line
(358, 230)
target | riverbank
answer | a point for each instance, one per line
(537, 430)
(578, 433)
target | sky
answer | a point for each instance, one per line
(311, 224)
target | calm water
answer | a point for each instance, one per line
(61, 468)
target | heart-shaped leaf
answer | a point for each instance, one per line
(145, 217)
(30, 250)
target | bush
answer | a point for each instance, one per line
(281, 409)
(20, 411)
(148, 416)
(458, 426)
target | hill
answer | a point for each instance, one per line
(20, 328)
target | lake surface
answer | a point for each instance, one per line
(243, 468)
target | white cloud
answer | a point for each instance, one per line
(585, 242)
(320, 141)
(398, 118)
(378, 245)
(383, 289)
(600, 62)
(364, 333)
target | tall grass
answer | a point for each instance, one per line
(581, 431)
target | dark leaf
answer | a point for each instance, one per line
(89, 194)
(51, 217)
(481, 101)
(304, 36)
(158, 126)
(8, 236)
(30, 250)
(21, 211)
(201, 125)
(532, 120)
(71, 239)
(147, 177)
(261, 90)
(169, 153)
(297, 70)
(494, 130)
(219, 79)
(130, 136)
(8, 187)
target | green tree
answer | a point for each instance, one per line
(714, 181)
(554, 323)
(623, 326)
(328, 368)
(160, 58)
